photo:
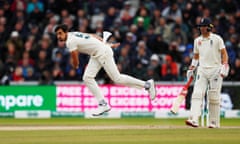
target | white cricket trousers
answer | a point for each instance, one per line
(207, 80)
(106, 61)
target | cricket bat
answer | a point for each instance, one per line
(178, 101)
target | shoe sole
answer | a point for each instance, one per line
(172, 112)
(152, 82)
(212, 127)
(102, 112)
(190, 124)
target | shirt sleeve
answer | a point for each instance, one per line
(71, 45)
(195, 47)
(221, 43)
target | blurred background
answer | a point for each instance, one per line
(156, 39)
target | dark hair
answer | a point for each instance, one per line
(64, 27)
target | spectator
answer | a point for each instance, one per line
(154, 69)
(70, 5)
(234, 71)
(53, 5)
(155, 17)
(6, 9)
(126, 18)
(96, 19)
(179, 35)
(34, 31)
(169, 69)
(124, 59)
(140, 26)
(12, 55)
(110, 17)
(17, 16)
(139, 69)
(172, 12)
(57, 73)
(36, 16)
(43, 63)
(46, 45)
(46, 78)
(231, 52)
(79, 71)
(18, 74)
(184, 67)
(60, 54)
(149, 36)
(142, 54)
(21, 28)
(158, 46)
(143, 16)
(25, 65)
(35, 5)
(26, 59)
(3, 32)
(229, 6)
(151, 74)
(84, 27)
(164, 29)
(30, 75)
(72, 75)
(131, 40)
(16, 40)
(30, 46)
(174, 52)
(81, 16)
(128, 10)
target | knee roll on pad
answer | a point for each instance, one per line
(214, 97)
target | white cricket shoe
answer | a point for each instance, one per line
(102, 108)
(191, 123)
(152, 89)
(212, 125)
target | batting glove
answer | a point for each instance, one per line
(190, 72)
(224, 70)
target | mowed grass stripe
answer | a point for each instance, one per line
(122, 121)
(168, 131)
(155, 136)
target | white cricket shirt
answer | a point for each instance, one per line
(84, 43)
(209, 50)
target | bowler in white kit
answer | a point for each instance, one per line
(211, 60)
(101, 55)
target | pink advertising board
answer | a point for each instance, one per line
(77, 98)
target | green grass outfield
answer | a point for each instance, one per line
(114, 131)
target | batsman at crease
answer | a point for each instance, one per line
(211, 60)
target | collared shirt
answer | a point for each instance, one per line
(85, 44)
(209, 50)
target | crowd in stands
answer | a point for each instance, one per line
(156, 36)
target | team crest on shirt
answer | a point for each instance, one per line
(199, 43)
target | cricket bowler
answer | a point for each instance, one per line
(101, 55)
(211, 58)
